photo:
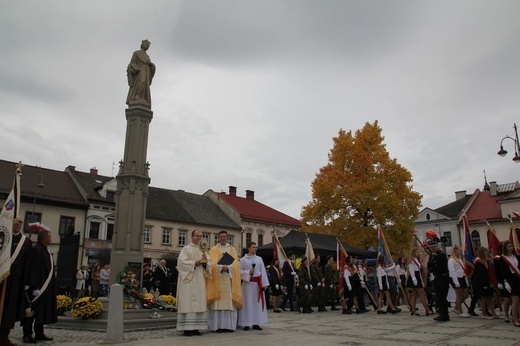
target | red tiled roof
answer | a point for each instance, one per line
(254, 210)
(485, 208)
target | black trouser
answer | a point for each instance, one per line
(27, 323)
(4, 333)
(441, 291)
(289, 296)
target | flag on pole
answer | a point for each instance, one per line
(513, 237)
(493, 241)
(382, 247)
(8, 213)
(342, 259)
(309, 252)
(278, 251)
(469, 249)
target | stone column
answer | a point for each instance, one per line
(132, 192)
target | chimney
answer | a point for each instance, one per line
(493, 188)
(232, 190)
(72, 168)
(250, 194)
(460, 194)
(93, 171)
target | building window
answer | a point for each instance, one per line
(475, 237)
(248, 238)
(147, 235)
(66, 226)
(94, 230)
(31, 217)
(206, 236)
(230, 240)
(447, 235)
(110, 231)
(260, 240)
(182, 238)
(110, 196)
(216, 239)
(166, 236)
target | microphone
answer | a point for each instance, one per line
(253, 265)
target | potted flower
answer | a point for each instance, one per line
(63, 304)
(87, 308)
(169, 300)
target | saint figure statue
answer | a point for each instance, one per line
(140, 73)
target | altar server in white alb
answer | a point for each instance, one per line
(254, 276)
(192, 307)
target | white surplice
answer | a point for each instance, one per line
(254, 310)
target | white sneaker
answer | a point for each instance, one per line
(455, 312)
(465, 314)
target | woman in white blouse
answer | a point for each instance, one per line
(383, 287)
(415, 282)
(459, 281)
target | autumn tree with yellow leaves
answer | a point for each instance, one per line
(362, 187)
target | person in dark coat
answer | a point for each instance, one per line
(330, 281)
(14, 301)
(275, 281)
(162, 277)
(318, 282)
(438, 266)
(42, 291)
(290, 278)
(482, 283)
(305, 286)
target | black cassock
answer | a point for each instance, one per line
(45, 306)
(14, 304)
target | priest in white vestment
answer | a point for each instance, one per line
(191, 287)
(254, 277)
(223, 289)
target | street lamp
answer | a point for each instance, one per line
(502, 152)
(41, 185)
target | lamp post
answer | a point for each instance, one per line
(41, 185)
(502, 152)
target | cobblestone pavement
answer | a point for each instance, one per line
(324, 328)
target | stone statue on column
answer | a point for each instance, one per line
(140, 73)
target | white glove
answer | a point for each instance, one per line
(380, 287)
(456, 282)
(467, 281)
(296, 277)
(293, 273)
(310, 286)
(331, 286)
(277, 286)
(415, 282)
(363, 285)
(306, 287)
(319, 284)
(36, 292)
(507, 286)
(349, 288)
(500, 286)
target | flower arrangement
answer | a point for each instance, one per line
(168, 300)
(147, 300)
(127, 279)
(87, 308)
(63, 303)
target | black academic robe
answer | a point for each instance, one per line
(45, 306)
(14, 305)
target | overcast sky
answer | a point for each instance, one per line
(251, 93)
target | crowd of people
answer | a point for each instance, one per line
(219, 291)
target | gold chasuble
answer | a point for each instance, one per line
(215, 287)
